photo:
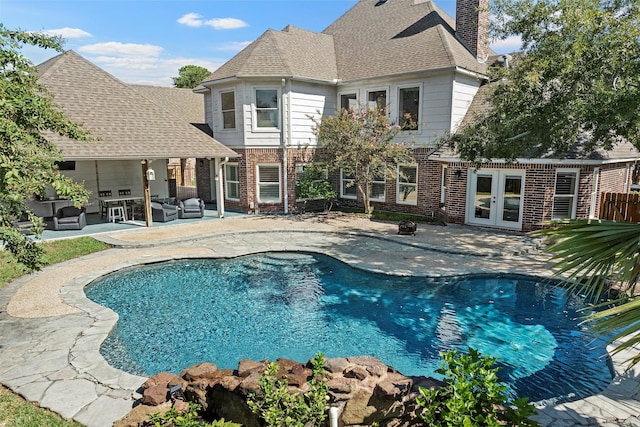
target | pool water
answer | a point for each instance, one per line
(294, 305)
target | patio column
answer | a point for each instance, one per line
(147, 194)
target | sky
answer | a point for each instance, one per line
(147, 41)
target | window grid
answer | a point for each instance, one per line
(407, 184)
(565, 195)
(232, 181)
(228, 103)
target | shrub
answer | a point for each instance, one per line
(188, 418)
(280, 408)
(473, 397)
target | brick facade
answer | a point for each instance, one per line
(537, 206)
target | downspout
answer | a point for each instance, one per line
(220, 200)
(283, 142)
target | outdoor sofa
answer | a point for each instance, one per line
(69, 218)
(191, 208)
(163, 212)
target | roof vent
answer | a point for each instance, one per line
(380, 2)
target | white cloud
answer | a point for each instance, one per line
(121, 49)
(226, 23)
(233, 46)
(68, 33)
(195, 20)
(508, 45)
(191, 20)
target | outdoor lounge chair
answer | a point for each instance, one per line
(69, 218)
(162, 212)
(191, 208)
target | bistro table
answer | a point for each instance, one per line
(121, 200)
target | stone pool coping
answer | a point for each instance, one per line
(54, 359)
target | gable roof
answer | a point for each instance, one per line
(292, 52)
(368, 41)
(397, 37)
(127, 125)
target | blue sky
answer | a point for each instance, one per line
(147, 41)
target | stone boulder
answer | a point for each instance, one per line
(365, 390)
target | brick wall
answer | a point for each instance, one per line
(203, 179)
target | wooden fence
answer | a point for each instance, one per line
(624, 207)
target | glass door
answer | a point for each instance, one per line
(495, 198)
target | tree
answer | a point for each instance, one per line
(361, 144)
(27, 158)
(190, 76)
(577, 79)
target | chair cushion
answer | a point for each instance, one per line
(70, 211)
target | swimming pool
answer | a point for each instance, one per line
(179, 313)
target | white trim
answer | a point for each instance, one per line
(272, 202)
(418, 85)
(387, 92)
(235, 110)
(342, 180)
(595, 183)
(444, 180)
(538, 161)
(398, 183)
(227, 181)
(347, 92)
(566, 196)
(254, 112)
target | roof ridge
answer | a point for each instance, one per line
(445, 43)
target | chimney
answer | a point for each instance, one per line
(472, 26)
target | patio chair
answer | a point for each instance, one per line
(162, 212)
(69, 218)
(191, 208)
(104, 206)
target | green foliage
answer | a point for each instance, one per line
(361, 144)
(314, 185)
(17, 412)
(190, 76)
(188, 418)
(27, 158)
(592, 254)
(473, 397)
(579, 76)
(280, 408)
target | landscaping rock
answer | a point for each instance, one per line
(365, 390)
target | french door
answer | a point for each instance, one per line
(495, 197)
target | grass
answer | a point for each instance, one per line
(14, 410)
(55, 251)
(17, 412)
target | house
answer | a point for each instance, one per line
(408, 57)
(132, 132)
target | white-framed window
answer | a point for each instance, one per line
(232, 181)
(268, 178)
(407, 185)
(378, 188)
(348, 188)
(266, 108)
(444, 182)
(565, 196)
(348, 101)
(409, 107)
(377, 100)
(228, 108)
(304, 169)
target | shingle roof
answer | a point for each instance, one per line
(127, 125)
(397, 37)
(292, 52)
(180, 101)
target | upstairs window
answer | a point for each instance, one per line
(228, 104)
(267, 108)
(377, 101)
(565, 196)
(409, 104)
(348, 101)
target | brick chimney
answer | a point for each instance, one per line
(472, 26)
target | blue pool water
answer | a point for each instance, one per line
(294, 305)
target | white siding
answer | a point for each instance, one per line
(307, 100)
(229, 137)
(464, 89)
(208, 107)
